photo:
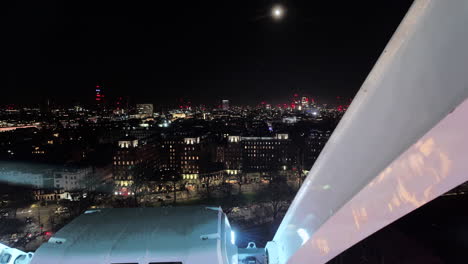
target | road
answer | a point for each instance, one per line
(39, 214)
(32, 235)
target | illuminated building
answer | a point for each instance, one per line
(230, 154)
(176, 116)
(121, 105)
(296, 101)
(144, 110)
(188, 157)
(255, 154)
(70, 179)
(314, 144)
(225, 105)
(266, 153)
(170, 156)
(66, 182)
(289, 119)
(142, 133)
(191, 153)
(99, 98)
(49, 182)
(134, 162)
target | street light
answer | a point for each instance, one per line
(277, 12)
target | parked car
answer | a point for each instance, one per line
(61, 210)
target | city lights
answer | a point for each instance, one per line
(191, 135)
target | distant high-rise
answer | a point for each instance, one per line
(45, 106)
(99, 95)
(144, 110)
(225, 104)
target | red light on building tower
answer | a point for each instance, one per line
(99, 94)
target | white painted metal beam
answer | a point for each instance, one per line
(421, 76)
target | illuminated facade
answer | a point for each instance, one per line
(229, 153)
(266, 153)
(314, 144)
(133, 162)
(170, 157)
(190, 158)
(252, 154)
(186, 156)
(144, 110)
(225, 105)
(178, 115)
(70, 179)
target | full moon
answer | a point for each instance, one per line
(277, 12)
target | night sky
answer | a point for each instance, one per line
(204, 51)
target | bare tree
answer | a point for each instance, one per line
(240, 177)
(277, 195)
(175, 179)
(207, 184)
(141, 176)
(137, 190)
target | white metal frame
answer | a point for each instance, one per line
(419, 79)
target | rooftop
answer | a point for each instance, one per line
(135, 235)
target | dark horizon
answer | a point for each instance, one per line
(204, 51)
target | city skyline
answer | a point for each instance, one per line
(209, 53)
(234, 132)
(117, 102)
